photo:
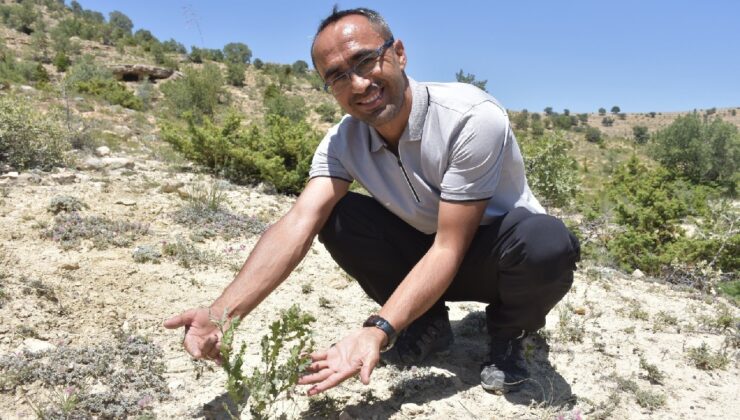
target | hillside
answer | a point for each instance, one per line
(97, 252)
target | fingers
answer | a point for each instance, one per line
(315, 377)
(181, 320)
(317, 366)
(318, 356)
(367, 368)
(205, 349)
(330, 382)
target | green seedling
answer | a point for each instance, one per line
(284, 352)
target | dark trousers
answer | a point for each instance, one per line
(521, 265)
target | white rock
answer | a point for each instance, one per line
(121, 130)
(117, 163)
(411, 409)
(9, 175)
(176, 384)
(64, 178)
(170, 187)
(127, 203)
(102, 151)
(35, 346)
(27, 88)
(638, 274)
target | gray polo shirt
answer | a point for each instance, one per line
(457, 146)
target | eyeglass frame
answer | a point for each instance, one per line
(374, 55)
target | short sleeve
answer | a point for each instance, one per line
(327, 159)
(475, 156)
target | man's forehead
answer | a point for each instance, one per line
(349, 29)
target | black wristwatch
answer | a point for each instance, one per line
(379, 322)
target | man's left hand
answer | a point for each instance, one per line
(358, 352)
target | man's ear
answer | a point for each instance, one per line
(400, 52)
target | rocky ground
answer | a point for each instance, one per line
(615, 347)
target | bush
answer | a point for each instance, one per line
(29, 139)
(235, 74)
(593, 135)
(640, 133)
(551, 172)
(61, 62)
(279, 153)
(278, 103)
(196, 93)
(607, 121)
(327, 112)
(69, 229)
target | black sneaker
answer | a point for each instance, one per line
(505, 370)
(429, 334)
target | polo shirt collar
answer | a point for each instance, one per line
(415, 126)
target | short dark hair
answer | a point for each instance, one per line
(376, 20)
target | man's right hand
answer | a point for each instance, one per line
(202, 336)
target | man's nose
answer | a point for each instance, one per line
(359, 83)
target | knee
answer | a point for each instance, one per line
(546, 246)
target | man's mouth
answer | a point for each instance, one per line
(372, 100)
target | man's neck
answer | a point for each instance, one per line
(392, 131)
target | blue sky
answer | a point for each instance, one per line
(658, 55)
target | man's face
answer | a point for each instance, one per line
(377, 97)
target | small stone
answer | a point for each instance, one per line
(9, 175)
(176, 384)
(638, 274)
(411, 409)
(117, 163)
(183, 194)
(580, 311)
(65, 178)
(71, 266)
(127, 203)
(27, 88)
(170, 187)
(35, 346)
(102, 151)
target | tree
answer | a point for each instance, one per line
(237, 52)
(258, 64)
(615, 109)
(120, 24)
(548, 111)
(602, 111)
(300, 67)
(470, 79)
(641, 134)
(566, 112)
(700, 151)
(583, 118)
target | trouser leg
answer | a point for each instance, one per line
(522, 264)
(373, 245)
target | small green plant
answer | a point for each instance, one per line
(327, 112)
(652, 373)
(146, 253)
(325, 303)
(636, 312)
(570, 328)
(703, 358)
(662, 320)
(186, 254)
(65, 203)
(551, 172)
(650, 400)
(284, 355)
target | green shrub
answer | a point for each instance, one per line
(61, 62)
(237, 52)
(593, 135)
(29, 139)
(279, 153)
(328, 112)
(235, 74)
(196, 93)
(607, 121)
(278, 103)
(640, 133)
(551, 172)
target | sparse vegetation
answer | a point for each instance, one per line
(704, 358)
(70, 229)
(65, 203)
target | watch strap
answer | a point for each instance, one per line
(382, 324)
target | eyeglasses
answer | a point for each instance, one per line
(366, 65)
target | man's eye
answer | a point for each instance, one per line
(366, 64)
